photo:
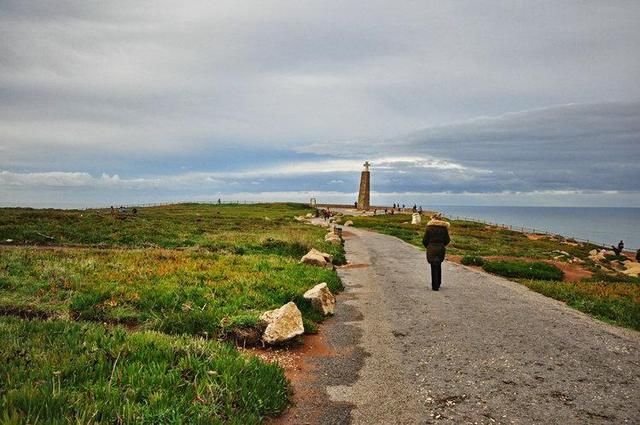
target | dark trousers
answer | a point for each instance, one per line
(436, 275)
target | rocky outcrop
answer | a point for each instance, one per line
(321, 299)
(283, 324)
(317, 258)
(348, 223)
(599, 255)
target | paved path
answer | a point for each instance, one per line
(481, 350)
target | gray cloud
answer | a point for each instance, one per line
(140, 89)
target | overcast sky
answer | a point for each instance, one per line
(454, 102)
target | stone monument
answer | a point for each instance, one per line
(365, 187)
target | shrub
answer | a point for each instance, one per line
(472, 260)
(521, 269)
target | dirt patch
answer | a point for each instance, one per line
(572, 272)
(355, 266)
(24, 312)
(347, 234)
(538, 236)
(298, 363)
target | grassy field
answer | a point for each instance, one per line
(474, 239)
(227, 228)
(64, 372)
(607, 295)
(165, 284)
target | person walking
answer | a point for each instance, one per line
(436, 238)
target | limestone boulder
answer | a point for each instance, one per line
(317, 258)
(283, 324)
(333, 238)
(321, 299)
(348, 223)
(309, 215)
(416, 218)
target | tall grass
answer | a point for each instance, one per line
(61, 372)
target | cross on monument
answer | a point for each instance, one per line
(366, 165)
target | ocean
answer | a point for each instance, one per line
(600, 225)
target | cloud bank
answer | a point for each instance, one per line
(152, 100)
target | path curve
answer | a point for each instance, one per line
(481, 350)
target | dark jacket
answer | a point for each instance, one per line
(436, 237)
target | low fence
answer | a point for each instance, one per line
(162, 204)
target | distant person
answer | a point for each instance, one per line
(436, 238)
(219, 201)
(355, 205)
(393, 211)
(619, 249)
(113, 210)
(414, 209)
(134, 211)
(420, 209)
(638, 256)
(394, 205)
(386, 210)
(375, 211)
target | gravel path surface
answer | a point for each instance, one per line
(481, 350)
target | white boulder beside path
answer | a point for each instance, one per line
(317, 258)
(321, 299)
(283, 324)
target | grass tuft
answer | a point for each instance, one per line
(521, 269)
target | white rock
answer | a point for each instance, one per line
(416, 218)
(333, 238)
(309, 215)
(321, 299)
(283, 324)
(317, 258)
(348, 223)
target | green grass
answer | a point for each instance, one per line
(62, 372)
(522, 269)
(474, 239)
(238, 229)
(181, 278)
(617, 303)
(472, 260)
(193, 291)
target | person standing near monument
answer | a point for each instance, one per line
(436, 238)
